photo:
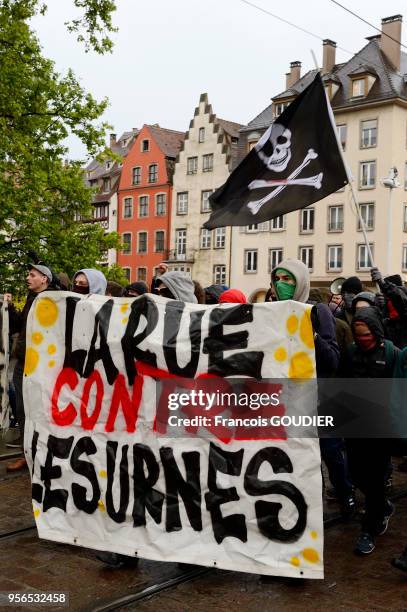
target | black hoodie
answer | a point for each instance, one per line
(379, 361)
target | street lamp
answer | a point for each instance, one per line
(391, 182)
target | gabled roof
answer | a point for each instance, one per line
(169, 141)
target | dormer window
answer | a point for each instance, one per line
(358, 87)
(279, 108)
(331, 87)
(145, 146)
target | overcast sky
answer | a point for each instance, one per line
(168, 52)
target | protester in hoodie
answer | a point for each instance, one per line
(38, 279)
(113, 289)
(213, 293)
(350, 287)
(291, 281)
(89, 281)
(371, 356)
(395, 322)
(364, 299)
(232, 296)
(177, 286)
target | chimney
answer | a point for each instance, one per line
(391, 29)
(294, 75)
(112, 140)
(328, 55)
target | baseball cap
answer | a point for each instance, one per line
(43, 269)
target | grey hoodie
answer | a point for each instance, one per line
(96, 279)
(301, 275)
(180, 285)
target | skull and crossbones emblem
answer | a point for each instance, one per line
(279, 137)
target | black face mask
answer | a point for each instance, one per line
(80, 289)
(165, 292)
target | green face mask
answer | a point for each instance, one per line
(284, 290)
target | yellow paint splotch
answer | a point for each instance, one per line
(280, 354)
(306, 331)
(292, 324)
(301, 366)
(37, 513)
(51, 363)
(101, 506)
(314, 535)
(310, 555)
(32, 359)
(37, 338)
(124, 307)
(52, 349)
(46, 312)
(124, 320)
(295, 561)
(103, 473)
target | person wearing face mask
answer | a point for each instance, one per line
(290, 281)
(350, 287)
(370, 356)
(89, 281)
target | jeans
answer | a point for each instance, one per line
(335, 461)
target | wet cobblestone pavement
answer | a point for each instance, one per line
(351, 583)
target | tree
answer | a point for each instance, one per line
(40, 193)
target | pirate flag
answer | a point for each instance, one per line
(295, 163)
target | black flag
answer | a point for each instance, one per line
(295, 163)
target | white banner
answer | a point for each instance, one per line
(4, 363)
(105, 478)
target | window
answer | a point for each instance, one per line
(160, 204)
(306, 255)
(280, 107)
(342, 133)
(181, 242)
(368, 134)
(250, 261)
(307, 220)
(142, 242)
(143, 206)
(192, 165)
(367, 174)
(145, 146)
(207, 162)
(252, 228)
(127, 273)
(142, 274)
(159, 241)
(205, 238)
(182, 203)
(404, 258)
(367, 213)
(136, 175)
(128, 208)
(101, 212)
(334, 257)
(77, 216)
(405, 218)
(126, 239)
(220, 237)
(108, 165)
(335, 218)
(201, 137)
(106, 184)
(275, 256)
(277, 224)
(219, 275)
(358, 87)
(153, 173)
(363, 259)
(205, 204)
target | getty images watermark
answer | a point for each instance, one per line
(247, 409)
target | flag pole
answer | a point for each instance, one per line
(347, 170)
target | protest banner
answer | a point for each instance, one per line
(4, 362)
(107, 476)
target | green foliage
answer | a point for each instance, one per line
(116, 273)
(40, 194)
